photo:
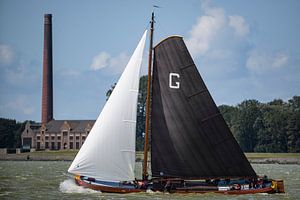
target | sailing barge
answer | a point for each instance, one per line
(192, 148)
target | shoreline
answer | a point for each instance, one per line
(70, 156)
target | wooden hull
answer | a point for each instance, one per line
(231, 192)
(107, 189)
(279, 188)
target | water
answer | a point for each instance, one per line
(49, 180)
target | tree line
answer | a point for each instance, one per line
(265, 127)
(10, 133)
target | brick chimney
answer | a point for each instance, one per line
(47, 89)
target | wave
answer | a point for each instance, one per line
(69, 186)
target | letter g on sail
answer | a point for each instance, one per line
(177, 84)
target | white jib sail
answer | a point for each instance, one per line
(108, 153)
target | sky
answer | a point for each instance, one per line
(242, 49)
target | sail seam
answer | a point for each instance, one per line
(133, 90)
(211, 116)
(128, 151)
(221, 141)
(187, 66)
(130, 121)
(202, 91)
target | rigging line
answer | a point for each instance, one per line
(161, 28)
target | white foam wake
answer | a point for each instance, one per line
(69, 186)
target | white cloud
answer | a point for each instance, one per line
(6, 54)
(115, 64)
(100, 61)
(214, 40)
(280, 60)
(239, 24)
(119, 62)
(214, 26)
(259, 62)
(205, 30)
(230, 58)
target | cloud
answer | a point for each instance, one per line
(229, 58)
(119, 62)
(215, 25)
(104, 60)
(280, 60)
(100, 61)
(205, 30)
(6, 54)
(213, 40)
(259, 62)
(239, 24)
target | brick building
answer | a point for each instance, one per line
(56, 134)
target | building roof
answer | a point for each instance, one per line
(35, 126)
(75, 125)
(56, 126)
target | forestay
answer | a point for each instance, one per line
(109, 151)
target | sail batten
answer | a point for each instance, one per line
(108, 154)
(190, 138)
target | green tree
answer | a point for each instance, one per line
(244, 129)
(10, 133)
(110, 90)
(293, 125)
(141, 113)
(229, 113)
(272, 133)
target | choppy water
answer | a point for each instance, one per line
(49, 180)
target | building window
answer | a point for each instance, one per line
(27, 131)
(58, 138)
(52, 145)
(52, 138)
(47, 138)
(27, 142)
(65, 133)
(77, 137)
(47, 145)
(38, 137)
(77, 145)
(58, 145)
(38, 145)
(71, 145)
(83, 137)
(87, 132)
(71, 137)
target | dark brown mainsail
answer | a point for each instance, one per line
(189, 136)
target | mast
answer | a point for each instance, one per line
(145, 173)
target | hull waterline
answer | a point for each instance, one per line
(277, 187)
